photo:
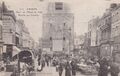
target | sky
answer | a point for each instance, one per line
(83, 10)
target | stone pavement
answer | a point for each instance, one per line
(5, 73)
(47, 71)
(51, 71)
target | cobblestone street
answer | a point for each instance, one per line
(50, 71)
(47, 71)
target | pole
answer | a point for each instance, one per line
(18, 65)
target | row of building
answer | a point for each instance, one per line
(103, 36)
(14, 35)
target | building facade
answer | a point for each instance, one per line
(25, 38)
(18, 38)
(8, 30)
(58, 28)
(104, 34)
(1, 39)
(92, 31)
(91, 45)
(79, 42)
(115, 31)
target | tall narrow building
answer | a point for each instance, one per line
(58, 28)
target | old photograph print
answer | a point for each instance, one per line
(59, 37)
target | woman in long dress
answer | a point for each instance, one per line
(68, 69)
(60, 69)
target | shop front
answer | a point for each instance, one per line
(105, 50)
(116, 52)
(116, 49)
(14, 59)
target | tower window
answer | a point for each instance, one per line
(50, 38)
(58, 6)
(63, 38)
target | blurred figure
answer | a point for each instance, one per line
(2, 65)
(24, 69)
(73, 65)
(2, 73)
(103, 70)
(8, 60)
(47, 60)
(39, 58)
(42, 63)
(68, 69)
(14, 73)
(60, 69)
(114, 69)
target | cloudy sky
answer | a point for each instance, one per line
(83, 10)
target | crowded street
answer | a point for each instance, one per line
(47, 71)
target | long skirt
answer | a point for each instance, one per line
(67, 73)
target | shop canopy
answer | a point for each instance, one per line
(16, 50)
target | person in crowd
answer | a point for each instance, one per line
(103, 70)
(2, 65)
(2, 73)
(8, 60)
(47, 60)
(42, 63)
(24, 69)
(68, 69)
(14, 73)
(50, 60)
(114, 69)
(97, 65)
(30, 68)
(73, 65)
(60, 69)
(39, 58)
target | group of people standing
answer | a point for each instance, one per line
(69, 67)
(42, 60)
(107, 67)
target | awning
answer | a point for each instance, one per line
(16, 50)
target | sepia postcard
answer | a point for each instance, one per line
(59, 37)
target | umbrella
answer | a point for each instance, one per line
(25, 56)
